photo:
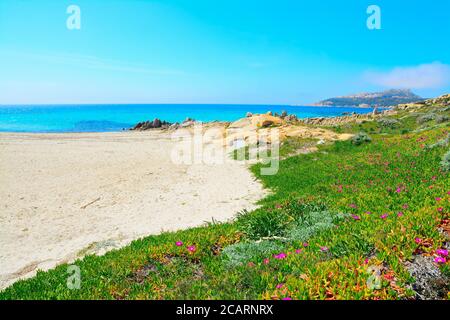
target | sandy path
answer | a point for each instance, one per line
(62, 194)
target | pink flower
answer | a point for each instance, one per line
(438, 199)
(405, 206)
(250, 264)
(398, 190)
(353, 206)
(305, 244)
(368, 212)
(440, 260)
(440, 209)
(298, 251)
(280, 285)
(442, 252)
(448, 192)
(366, 261)
(191, 248)
(323, 249)
(400, 214)
(418, 240)
(266, 261)
(280, 256)
(384, 216)
(354, 216)
(179, 243)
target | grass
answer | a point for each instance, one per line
(334, 215)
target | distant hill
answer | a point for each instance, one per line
(379, 99)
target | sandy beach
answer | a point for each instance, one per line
(65, 195)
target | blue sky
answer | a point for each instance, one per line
(219, 51)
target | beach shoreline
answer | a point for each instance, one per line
(65, 195)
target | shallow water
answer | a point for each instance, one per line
(105, 118)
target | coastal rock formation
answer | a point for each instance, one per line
(147, 125)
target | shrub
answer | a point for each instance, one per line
(241, 252)
(445, 163)
(264, 223)
(361, 138)
(441, 143)
(426, 118)
(388, 123)
(441, 118)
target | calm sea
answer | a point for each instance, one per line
(102, 118)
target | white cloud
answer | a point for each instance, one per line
(424, 76)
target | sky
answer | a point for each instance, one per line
(219, 51)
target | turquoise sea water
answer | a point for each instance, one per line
(102, 118)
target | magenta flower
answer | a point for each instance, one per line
(280, 285)
(355, 217)
(400, 214)
(440, 209)
(442, 252)
(266, 261)
(384, 216)
(418, 240)
(366, 261)
(191, 248)
(368, 212)
(179, 243)
(448, 192)
(280, 256)
(305, 244)
(298, 251)
(438, 199)
(440, 260)
(353, 206)
(405, 206)
(324, 249)
(398, 190)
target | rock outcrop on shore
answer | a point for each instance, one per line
(155, 124)
(252, 126)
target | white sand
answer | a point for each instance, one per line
(65, 195)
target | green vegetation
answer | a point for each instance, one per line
(333, 217)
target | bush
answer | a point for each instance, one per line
(388, 123)
(239, 253)
(441, 118)
(426, 118)
(445, 163)
(264, 224)
(361, 138)
(441, 143)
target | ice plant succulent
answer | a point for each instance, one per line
(440, 260)
(192, 248)
(179, 243)
(442, 252)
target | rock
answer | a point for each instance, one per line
(284, 114)
(147, 125)
(269, 113)
(375, 111)
(291, 118)
(156, 123)
(321, 141)
(249, 115)
(266, 123)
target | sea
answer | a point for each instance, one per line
(109, 117)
